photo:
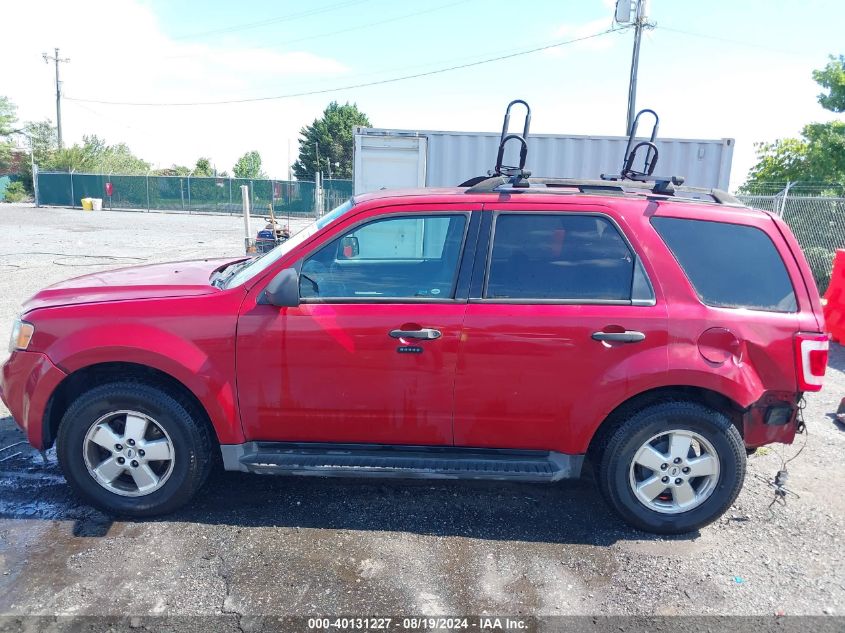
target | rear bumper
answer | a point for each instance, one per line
(27, 380)
(772, 419)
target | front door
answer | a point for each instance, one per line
(562, 318)
(369, 356)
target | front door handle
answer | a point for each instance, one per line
(424, 333)
(628, 336)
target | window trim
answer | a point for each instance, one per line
(693, 287)
(455, 298)
(637, 264)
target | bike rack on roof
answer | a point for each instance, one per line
(504, 178)
(516, 174)
(662, 184)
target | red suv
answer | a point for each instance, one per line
(508, 331)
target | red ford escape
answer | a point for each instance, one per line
(509, 329)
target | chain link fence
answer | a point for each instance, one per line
(818, 223)
(191, 194)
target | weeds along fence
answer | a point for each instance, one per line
(191, 194)
(818, 223)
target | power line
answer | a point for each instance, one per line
(276, 20)
(359, 85)
(340, 31)
(663, 27)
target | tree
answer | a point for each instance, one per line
(249, 166)
(8, 118)
(832, 78)
(94, 155)
(333, 133)
(818, 156)
(203, 168)
(44, 142)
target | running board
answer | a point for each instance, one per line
(414, 462)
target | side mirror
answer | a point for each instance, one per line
(283, 290)
(349, 247)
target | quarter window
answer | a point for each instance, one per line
(729, 265)
(559, 257)
(399, 257)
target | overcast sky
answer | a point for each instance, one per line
(742, 68)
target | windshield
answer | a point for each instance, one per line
(259, 264)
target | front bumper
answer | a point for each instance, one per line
(27, 380)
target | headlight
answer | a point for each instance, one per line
(21, 335)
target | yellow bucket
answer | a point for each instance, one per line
(87, 204)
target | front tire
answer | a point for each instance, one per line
(672, 467)
(132, 449)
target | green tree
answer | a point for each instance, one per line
(203, 168)
(8, 119)
(94, 155)
(832, 78)
(8, 116)
(44, 142)
(818, 156)
(333, 133)
(249, 166)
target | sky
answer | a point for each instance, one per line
(722, 69)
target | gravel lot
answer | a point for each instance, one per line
(255, 546)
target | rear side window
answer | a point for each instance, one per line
(729, 265)
(559, 257)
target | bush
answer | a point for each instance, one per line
(16, 192)
(821, 263)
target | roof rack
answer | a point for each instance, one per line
(505, 178)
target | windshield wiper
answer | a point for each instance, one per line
(225, 274)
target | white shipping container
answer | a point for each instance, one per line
(390, 159)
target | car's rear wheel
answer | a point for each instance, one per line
(133, 449)
(672, 467)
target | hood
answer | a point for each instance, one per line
(176, 279)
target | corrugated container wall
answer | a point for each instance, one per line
(450, 158)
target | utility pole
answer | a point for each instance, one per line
(640, 23)
(57, 60)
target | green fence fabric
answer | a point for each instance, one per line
(181, 193)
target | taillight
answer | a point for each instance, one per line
(811, 359)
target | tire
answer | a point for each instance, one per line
(172, 430)
(627, 484)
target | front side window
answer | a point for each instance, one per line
(729, 265)
(563, 257)
(402, 257)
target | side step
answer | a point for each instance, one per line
(416, 462)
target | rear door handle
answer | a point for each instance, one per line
(628, 336)
(424, 333)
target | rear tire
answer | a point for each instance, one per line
(132, 449)
(672, 467)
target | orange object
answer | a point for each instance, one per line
(834, 300)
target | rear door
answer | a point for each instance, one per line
(560, 315)
(369, 356)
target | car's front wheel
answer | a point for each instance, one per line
(672, 467)
(133, 449)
